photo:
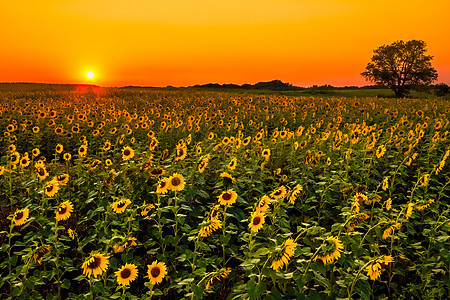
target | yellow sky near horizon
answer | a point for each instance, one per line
(174, 42)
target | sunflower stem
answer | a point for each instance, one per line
(223, 233)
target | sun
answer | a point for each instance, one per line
(90, 75)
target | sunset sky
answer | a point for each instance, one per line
(186, 42)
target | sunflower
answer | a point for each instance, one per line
(41, 171)
(108, 162)
(202, 165)
(59, 148)
(263, 204)
(71, 233)
(163, 185)
(176, 182)
(385, 184)
(15, 158)
(388, 204)
(67, 156)
(279, 193)
(232, 164)
(35, 129)
(297, 189)
(82, 150)
(2, 170)
(380, 151)
(51, 188)
(153, 143)
(25, 161)
(127, 153)
(20, 216)
(257, 221)
(409, 210)
(107, 146)
(156, 272)
(266, 154)
(62, 179)
(126, 274)
(120, 206)
(330, 250)
(227, 177)
(227, 197)
(95, 265)
(12, 148)
(35, 152)
(157, 172)
(64, 210)
(181, 152)
(285, 252)
(145, 211)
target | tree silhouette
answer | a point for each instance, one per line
(400, 66)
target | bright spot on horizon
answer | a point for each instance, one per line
(90, 75)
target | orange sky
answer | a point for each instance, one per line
(186, 42)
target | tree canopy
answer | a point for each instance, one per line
(400, 66)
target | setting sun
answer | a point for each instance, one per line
(90, 75)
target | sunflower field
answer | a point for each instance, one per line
(171, 194)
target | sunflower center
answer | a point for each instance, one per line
(226, 196)
(125, 273)
(41, 171)
(277, 193)
(121, 204)
(24, 161)
(62, 210)
(176, 181)
(49, 188)
(256, 220)
(95, 263)
(126, 152)
(19, 215)
(155, 272)
(162, 184)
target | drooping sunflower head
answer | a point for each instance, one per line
(228, 197)
(126, 274)
(147, 209)
(156, 272)
(64, 211)
(127, 153)
(95, 265)
(330, 250)
(20, 216)
(176, 182)
(40, 253)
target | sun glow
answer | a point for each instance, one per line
(90, 75)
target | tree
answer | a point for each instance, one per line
(400, 66)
